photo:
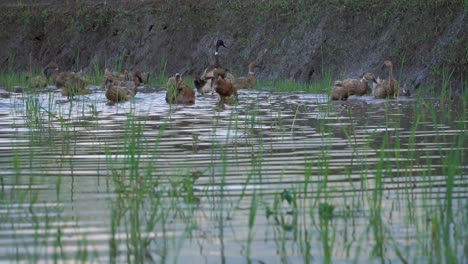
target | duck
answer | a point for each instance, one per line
(138, 77)
(206, 86)
(387, 88)
(178, 92)
(404, 91)
(118, 90)
(171, 83)
(72, 83)
(380, 91)
(229, 76)
(171, 86)
(205, 83)
(38, 81)
(199, 84)
(50, 69)
(224, 87)
(115, 76)
(249, 81)
(363, 88)
(341, 90)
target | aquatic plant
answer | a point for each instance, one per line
(307, 180)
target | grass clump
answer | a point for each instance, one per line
(292, 86)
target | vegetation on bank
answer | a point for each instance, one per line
(21, 82)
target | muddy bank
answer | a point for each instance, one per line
(299, 41)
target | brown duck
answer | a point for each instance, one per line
(387, 88)
(117, 90)
(72, 83)
(226, 90)
(38, 82)
(178, 92)
(249, 81)
(341, 90)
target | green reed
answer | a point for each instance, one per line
(376, 223)
(293, 86)
(12, 80)
(161, 77)
(96, 75)
(145, 201)
(145, 206)
(131, 188)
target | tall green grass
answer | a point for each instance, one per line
(12, 80)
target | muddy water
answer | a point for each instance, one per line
(210, 183)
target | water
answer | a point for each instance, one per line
(144, 181)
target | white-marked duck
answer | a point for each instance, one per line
(204, 84)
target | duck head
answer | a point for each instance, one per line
(178, 80)
(199, 83)
(178, 77)
(139, 77)
(219, 43)
(387, 64)
(405, 91)
(107, 73)
(50, 68)
(144, 76)
(367, 76)
(219, 73)
(252, 66)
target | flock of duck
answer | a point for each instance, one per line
(214, 78)
(123, 86)
(386, 88)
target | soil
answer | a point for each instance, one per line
(297, 40)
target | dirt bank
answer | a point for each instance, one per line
(299, 40)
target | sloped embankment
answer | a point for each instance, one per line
(296, 40)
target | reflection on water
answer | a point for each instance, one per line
(85, 180)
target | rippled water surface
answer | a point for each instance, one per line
(253, 182)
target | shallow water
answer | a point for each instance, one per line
(85, 180)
